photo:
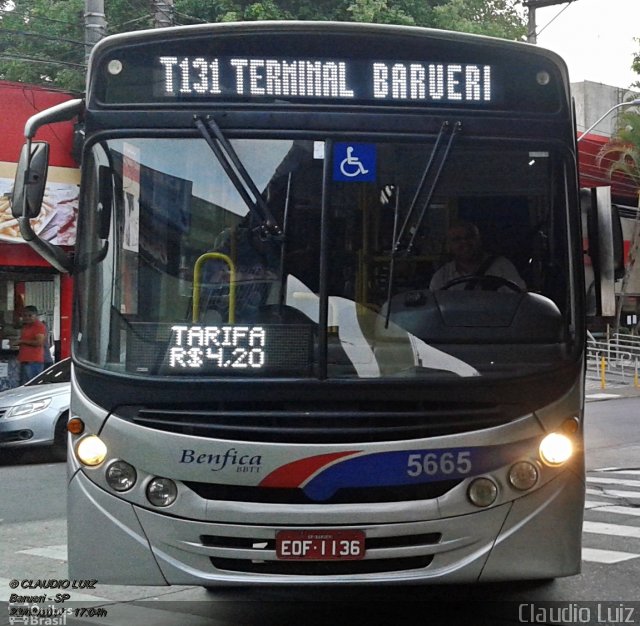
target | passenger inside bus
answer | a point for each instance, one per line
(472, 267)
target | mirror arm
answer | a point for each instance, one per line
(50, 252)
(58, 113)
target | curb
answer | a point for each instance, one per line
(598, 395)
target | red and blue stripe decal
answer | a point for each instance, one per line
(321, 476)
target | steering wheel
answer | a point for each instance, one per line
(487, 282)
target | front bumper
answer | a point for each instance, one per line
(535, 536)
(30, 430)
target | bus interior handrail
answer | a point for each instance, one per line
(197, 271)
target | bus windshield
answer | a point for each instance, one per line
(178, 276)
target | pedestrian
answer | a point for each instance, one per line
(30, 344)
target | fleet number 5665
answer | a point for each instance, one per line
(432, 463)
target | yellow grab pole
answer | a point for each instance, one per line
(197, 270)
(603, 363)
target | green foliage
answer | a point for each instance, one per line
(497, 18)
(635, 65)
(42, 41)
(622, 154)
(50, 30)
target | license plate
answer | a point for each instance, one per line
(320, 545)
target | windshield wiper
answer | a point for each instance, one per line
(238, 175)
(437, 156)
(444, 129)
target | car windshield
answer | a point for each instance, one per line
(178, 276)
(58, 373)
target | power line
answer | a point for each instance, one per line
(42, 36)
(191, 17)
(136, 19)
(560, 12)
(532, 5)
(16, 57)
(32, 16)
(61, 53)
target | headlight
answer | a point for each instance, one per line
(91, 450)
(28, 407)
(162, 492)
(523, 475)
(121, 476)
(482, 492)
(556, 449)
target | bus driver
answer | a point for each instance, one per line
(470, 260)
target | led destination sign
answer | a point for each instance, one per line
(334, 79)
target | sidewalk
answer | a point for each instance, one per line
(613, 389)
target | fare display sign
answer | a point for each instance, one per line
(219, 350)
(220, 347)
(329, 79)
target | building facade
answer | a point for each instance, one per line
(25, 277)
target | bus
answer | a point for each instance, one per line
(266, 390)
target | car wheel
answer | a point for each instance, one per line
(59, 448)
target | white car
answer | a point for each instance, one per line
(36, 413)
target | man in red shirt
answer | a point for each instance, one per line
(31, 344)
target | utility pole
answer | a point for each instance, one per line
(163, 15)
(95, 25)
(532, 5)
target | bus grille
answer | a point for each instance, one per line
(319, 421)
(322, 568)
(274, 495)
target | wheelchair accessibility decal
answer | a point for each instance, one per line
(354, 162)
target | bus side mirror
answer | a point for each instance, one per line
(605, 246)
(30, 181)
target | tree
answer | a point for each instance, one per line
(635, 65)
(43, 40)
(377, 11)
(497, 18)
(622, 154)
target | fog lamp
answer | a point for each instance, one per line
(162, 492)
(556, 449)
(571, 426)
(523, 475)
(91, 450)
(482, 492)
(121, 476)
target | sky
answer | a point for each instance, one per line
(595, 38)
